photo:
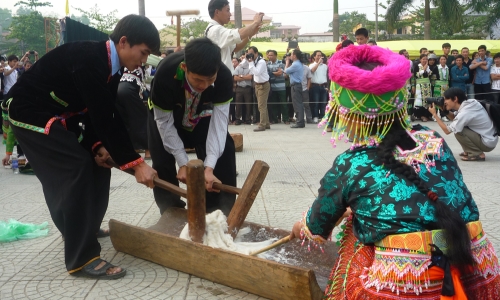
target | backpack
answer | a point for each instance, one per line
(493, 111)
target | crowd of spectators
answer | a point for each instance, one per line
(477, 74)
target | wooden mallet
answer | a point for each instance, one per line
(178, 14)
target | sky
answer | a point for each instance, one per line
(312, 19)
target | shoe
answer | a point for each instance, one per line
(259, 129)
(249, 122)
(237, 122)
(424, 119)
(268, 127)
(315, 120)
(445, 119)
(473, 158)
(101, 233)
(90, 272)
(297, 126)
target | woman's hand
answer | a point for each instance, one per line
(296, 230)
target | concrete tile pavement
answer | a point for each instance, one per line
(298, 158)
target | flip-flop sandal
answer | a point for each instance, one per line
(90, 272)
(473, 158)
(101, 233)
(464, 154)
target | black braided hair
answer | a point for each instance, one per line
(455, 231)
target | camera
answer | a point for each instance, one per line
(249, 56)
(32, 51)
(438, 101)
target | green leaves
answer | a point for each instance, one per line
(30, 31)
(102, 22)
(33, 4)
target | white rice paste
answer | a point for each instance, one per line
(216, 235)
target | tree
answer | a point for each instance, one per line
(23, 10)
(192, 28)
(82, 19)
(492, 8)
(5, 18)
(33, 4)
(101, 22)
(348, 22)
(451, 13)
(29, 30)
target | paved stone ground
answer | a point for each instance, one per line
(34, 269)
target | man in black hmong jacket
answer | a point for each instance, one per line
(63, 114)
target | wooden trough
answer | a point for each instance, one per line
(288, 272)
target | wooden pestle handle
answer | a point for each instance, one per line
(272, 246)
(175, 189)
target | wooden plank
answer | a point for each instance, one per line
(247, 196)
(195, 181)
(251, 274)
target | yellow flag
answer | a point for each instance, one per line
(67, 8)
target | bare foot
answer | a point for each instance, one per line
(110, 271)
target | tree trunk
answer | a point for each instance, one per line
(427, 20)
(142, 8)
(237, 14)
(335, 24)
(238, 22)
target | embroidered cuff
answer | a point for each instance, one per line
(132, 164)
(95, 146)
(305, 233)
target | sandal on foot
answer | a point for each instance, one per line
(464, 154)
(101, 233)
(473, 158)
(90, 272)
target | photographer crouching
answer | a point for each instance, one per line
(471, 124)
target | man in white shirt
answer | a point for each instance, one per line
(189, 108)
(471, 124)
(229, 40)
(318, 88)
(495, 79)
(10, 73)
(258, 69)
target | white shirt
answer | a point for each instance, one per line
(259, 71)
(216, 137)
(320, 75)
(472, 114)
(9, 80)
(495, 84)
(226, 39)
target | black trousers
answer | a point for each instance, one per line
(76, 190)
(164, 164)
(482, 91)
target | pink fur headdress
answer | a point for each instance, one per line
(366, 101)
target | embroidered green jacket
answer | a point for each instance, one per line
(385, 203)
